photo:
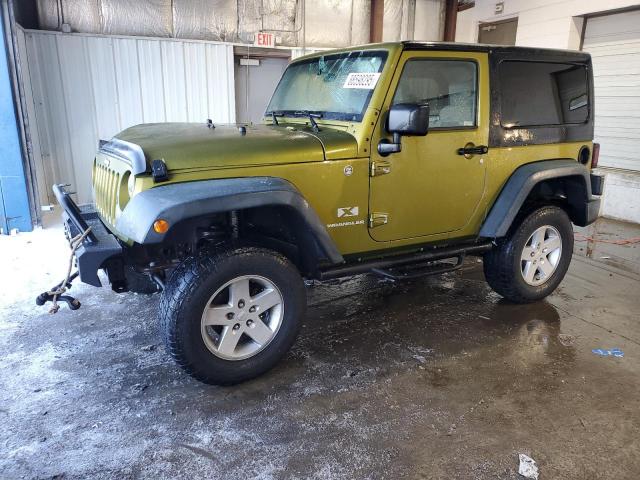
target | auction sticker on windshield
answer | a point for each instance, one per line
(366, 81)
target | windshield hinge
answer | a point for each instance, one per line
(377, 219)
(380, 167)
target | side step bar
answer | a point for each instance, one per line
(416, 270)
(381, 266)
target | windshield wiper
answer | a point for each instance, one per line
(312, 118)
(298, 113)
(274, 115)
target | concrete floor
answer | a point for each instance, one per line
(436, 378)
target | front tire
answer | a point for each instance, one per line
(532, 260)
(230, 315)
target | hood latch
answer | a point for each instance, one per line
(159, 171)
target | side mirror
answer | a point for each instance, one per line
(404, 119)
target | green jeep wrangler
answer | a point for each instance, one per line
(396, 159)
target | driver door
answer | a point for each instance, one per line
(428, 189)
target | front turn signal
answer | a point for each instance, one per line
(160, 226)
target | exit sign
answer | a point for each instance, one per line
(265, 40)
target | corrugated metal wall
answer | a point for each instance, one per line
(86, 87)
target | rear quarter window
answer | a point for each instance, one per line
(540, 94)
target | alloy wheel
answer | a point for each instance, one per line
(242, 317)
(541, 255)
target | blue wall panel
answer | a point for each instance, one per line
(14, 202)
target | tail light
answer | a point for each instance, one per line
(595, 155)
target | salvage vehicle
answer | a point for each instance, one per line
(395, 159)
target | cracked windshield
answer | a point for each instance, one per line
(336, 87)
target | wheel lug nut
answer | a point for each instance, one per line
(230, 315)
(236, 326)
(533, 254)
(249, 323)
(252, 309)
(241, 304)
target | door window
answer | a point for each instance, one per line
(448, 86)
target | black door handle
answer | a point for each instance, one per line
(469, 150)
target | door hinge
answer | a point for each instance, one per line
(380, 167)
(378, 219)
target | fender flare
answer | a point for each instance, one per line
(180, 201)
(583, 206)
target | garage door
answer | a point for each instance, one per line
(614, 44)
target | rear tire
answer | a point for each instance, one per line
(227, 316)
(530, 262)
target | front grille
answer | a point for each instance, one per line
(106, 184)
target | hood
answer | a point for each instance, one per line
(195, 145)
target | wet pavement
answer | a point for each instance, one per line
(431, 379)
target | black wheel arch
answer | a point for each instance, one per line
(562, 182)
(268, 211)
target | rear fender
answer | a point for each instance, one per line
(583, 207)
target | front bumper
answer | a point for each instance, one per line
(98, 247)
